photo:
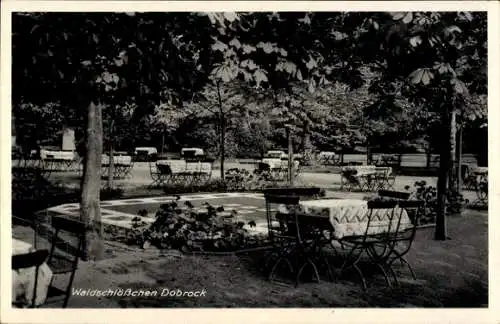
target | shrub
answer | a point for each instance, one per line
(454, 201)
(257, 180)
(187, 230)
(235, 180)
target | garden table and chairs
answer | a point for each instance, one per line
(198, 170)
(59, 160)
(481, 183)
(477, 179)
(277, 172)
(122, 165)
(366, 178)
(182, 172)
(379, 232)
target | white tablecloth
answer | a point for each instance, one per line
(479, 170)
(120, 159)
(23, 280)
(180, 166)
(279, 163)
(350, 216)
(367, 169)
(57, 155)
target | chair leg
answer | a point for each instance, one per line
(275, 267)
(363, 281)
(315, 269)
(393, 273)
(384, 273)
(409, 267)
(324, 259)
(352, 260)
(380, 260)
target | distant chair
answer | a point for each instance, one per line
(160, 173)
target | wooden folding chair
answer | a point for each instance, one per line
(401, 239)
(160, 173)
(281, 232)
(393, 194)
(372, 243)
(311, 240)
(25, 261)
(63, 257)
(302, 192)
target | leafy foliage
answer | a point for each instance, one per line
(144, 73)
(455, 201)
(188, 230)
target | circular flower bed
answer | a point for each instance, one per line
(193, 229)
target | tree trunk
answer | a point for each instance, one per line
(442, 185)
(453, 151)
(162, 142)
(482, 147)
(459, 160)
(306, 145)
(428, 156)
(222, 133)
(111, 162)
(368, 154)
(90, 212)
(111, 166)
(290, 155)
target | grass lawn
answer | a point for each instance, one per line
(451, 273)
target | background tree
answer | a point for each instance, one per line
(100, 61)
(433, 59)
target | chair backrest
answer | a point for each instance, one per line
(76, 229)
(394, 194)
(28, 260)
(376, 204)
(68, 225)
(377, 211)
(282, 199)
(278, 223)
(414, 209)
(297, 191)
(395, 227)
(310, 226)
